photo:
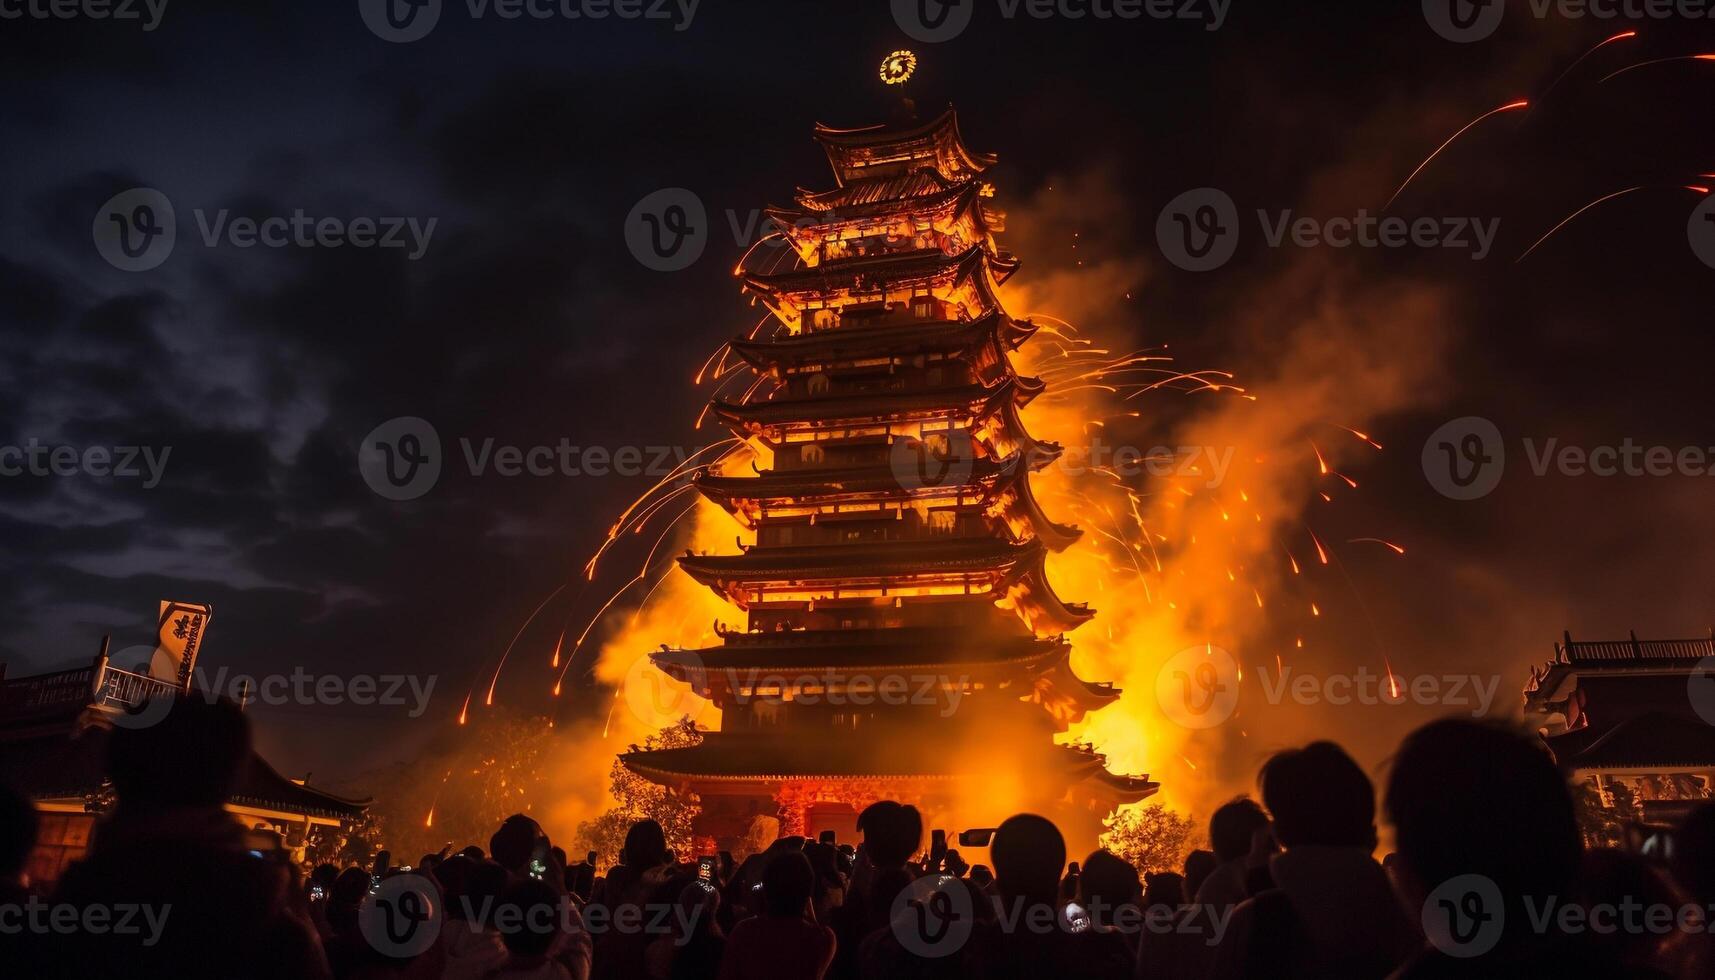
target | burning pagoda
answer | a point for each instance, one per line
(902, 641)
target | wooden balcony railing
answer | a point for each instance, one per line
(122, 688)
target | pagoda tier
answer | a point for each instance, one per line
(988, 569)
(979, 556)
(995, 431)
(835, 409)
(997, 489)
(950, 221)
(884, 151)
(960, 286)
(789, 664)
(892, 337)
(748, 764)
(921, 184)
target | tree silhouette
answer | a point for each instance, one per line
(1152, 838)
(636, 798)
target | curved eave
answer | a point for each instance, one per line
(1025, 390)
(924, 182)
(867, 483)
(1063, 695)
(1024, 508)
(1120, 790)
(957, 196)
(976, 401)
(944, 127)
(704, 668)
(1029, 595)
(805, 227)
(666, 775)
(1110, 788)
(888, 561)
(846, 275)
(1018, 331)
(908, 337)
(748, 758)
(880, 134)
(1039, 452)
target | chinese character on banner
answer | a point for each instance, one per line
(179, 635)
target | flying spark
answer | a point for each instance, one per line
(1623, 35)
(1659, 61)
(1520, 104)
(1568, 218)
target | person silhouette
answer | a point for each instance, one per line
(1330, 910)
(1030, 936)
(1485, 833)
(171, 845)
(783, 943)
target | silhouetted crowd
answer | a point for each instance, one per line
(1489, 878)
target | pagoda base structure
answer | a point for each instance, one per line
(810, 795)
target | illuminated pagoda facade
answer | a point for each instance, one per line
(902, 640)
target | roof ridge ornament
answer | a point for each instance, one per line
(898, 67)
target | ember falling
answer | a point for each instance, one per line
(1279, 406)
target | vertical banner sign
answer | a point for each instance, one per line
(178, 638)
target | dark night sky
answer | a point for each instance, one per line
(529, 320)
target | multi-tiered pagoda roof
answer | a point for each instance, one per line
(897, 537)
